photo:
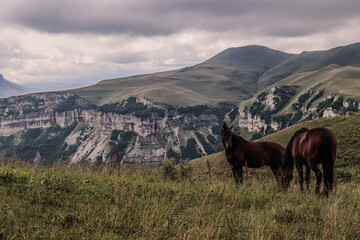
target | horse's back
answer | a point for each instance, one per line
(275, 147)
(319, 140)
(321, 134)
(272, 152)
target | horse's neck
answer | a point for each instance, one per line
(237, 140)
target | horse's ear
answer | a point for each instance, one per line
(225, 126)
(231, 127)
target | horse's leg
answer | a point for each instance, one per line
(318, 174)
(327, 186)
(234, 170)
(328, 170)
(239, 175)
(307, 176)
(301, 177)
(275, 171)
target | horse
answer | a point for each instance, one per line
(240, 152)
(310, 148)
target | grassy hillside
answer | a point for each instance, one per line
(230, 76)
(233, 75)
(312, 61)
(332, 79)
(132, 203)
(346, 129)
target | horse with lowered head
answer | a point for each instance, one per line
(310, 148)
(240, 152)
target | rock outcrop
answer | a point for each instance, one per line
(134, 131)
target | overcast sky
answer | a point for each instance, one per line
(62, 42)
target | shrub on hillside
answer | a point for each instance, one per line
(304, 97)
(114, 135)
(283, 95)
(211, 139)
(317, 96)
(185, 169)
(207, 147)
(232, 114)
(169, 169)
(190, 151)
(73, 102)
(216, 129)
(173, 171)
(256, 136)
(171, 154)
(196, 110)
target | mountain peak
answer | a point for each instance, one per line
(256, 56)
(8, 88)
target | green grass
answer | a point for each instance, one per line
(333, 78)
(131, 203)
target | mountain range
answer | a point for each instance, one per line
(233, 75)
(178, 114)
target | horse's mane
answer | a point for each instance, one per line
(236, 140)
(288, 159)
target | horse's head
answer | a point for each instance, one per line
(226, 136)
(287, 162)
(285, 176)
(286, 166)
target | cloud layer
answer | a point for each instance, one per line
(63, 41)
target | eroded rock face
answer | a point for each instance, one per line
(67, 128)
(329, 112)
(92, 140)
(280, 108)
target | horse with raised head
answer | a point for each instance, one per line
(240, 152)
(310, 148)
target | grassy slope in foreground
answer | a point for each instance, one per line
(347, 130)
(131, 203)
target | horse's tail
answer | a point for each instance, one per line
(328, 161)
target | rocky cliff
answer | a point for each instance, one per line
(49, 128)
(283, 106)
(133, 131)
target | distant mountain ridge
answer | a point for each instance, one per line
(233, 75)
(8, 88)
(230, 76)
(257, 89)
(311, 61)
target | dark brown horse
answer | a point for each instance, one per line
(310, 148)
(240, 152)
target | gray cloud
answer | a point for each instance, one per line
(123, 58)
(81, 41)
(160, 17)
